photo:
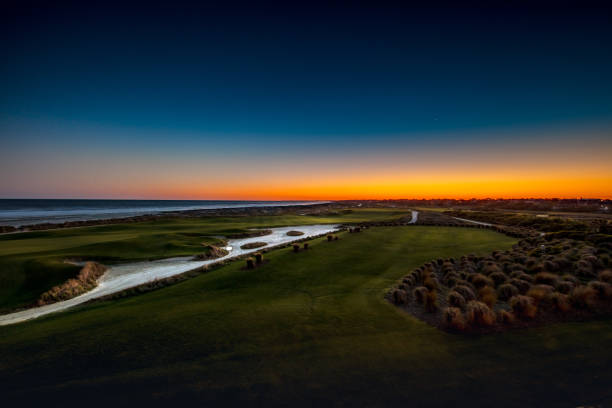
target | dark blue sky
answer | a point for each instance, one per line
(274, 70)
(226, 80)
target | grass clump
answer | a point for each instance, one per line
(546, 278)
(419, 294)
(431, 283)
(603, 289)
(498, 278)
(583, 297)
(505, 317)
(400, 297)
(506, 291)
(521, 285)
(565, 286)
(479, 314)
(453, 319)
(540, 293)
(479, 280)
(295, 233)
(465, 291)
(431, 301)
(560, 302)
(605, 276)
(455, 299)
(488, 296)
(523, 307)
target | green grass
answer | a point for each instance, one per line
(31, 263)
(305, 329)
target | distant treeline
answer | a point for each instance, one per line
(529, 204)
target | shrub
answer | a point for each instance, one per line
(540, 293)
(453, 319)
(451, 278)
(560, 302)
(523, 307)
(521, 285)
(258, 258)
(546, 278)
(525, 277)
(455, 299)
(296, 248)
(603, 289)
(506, 291)
(465, 291)
(606, 276)
(583, 297)
(505, 317)
(431, 283)
(490, 268)
(570, 278)
(400, 297)
(416, 276)
(550, 266)
(330, 238)
(583, 268)
(409, 280)
(250, 263)
(488, 296)
(479, 280)
(565, 286)
(431, 301)
(419, 294)
(498, 278)
(479, 314)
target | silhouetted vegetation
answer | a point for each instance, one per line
(544, 277)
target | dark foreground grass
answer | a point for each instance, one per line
(306, 329)
(32, 263)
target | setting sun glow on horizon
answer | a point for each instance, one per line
(215, 105)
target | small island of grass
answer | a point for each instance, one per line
(295, 233)
(252, 245)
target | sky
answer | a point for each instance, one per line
(268, 102)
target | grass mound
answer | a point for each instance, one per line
(86, 280)
(253, 245)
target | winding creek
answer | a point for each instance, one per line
(125, 276)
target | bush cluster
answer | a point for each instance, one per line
(537, 278)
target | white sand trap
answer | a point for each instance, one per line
(120, 277)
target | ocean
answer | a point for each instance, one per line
(17, 212)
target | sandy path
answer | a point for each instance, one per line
(474, 222)
(415, 217)
(120, 277)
